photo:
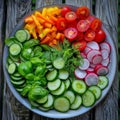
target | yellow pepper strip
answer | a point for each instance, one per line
(44, 33)
(48, 25)
(36, 21)
(28, 19)
(46, 40)
(44, 12)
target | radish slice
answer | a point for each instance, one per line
(84, 65)
(105, 53)
(90, 70)
(92, 65)
(101, 70)
(97, 59)
(105, 62)
(87, 49)
(80, 74)
(92, 53)
(105, 45)
(91, 79)
(93, 45)
(83, 54)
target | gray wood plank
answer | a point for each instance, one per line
(12, 109)
(106, 10)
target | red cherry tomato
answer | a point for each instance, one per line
(83, 12)
(83, 25)
(80, 36)
(81, 45)
(89, 35)
(61, 24)
(71, 33)
(96, 24)
(64, 10)
(70, 16)
(90, 18)
(100, 36)
(73, 24)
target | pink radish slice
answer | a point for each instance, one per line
(80, 74)
(101, 70)
(91, 79)
(92, 53)
(90, 70)
(97, 59)
(83, 54)
(84, 65)
(105, 45)
(92, 65)
(105, 62)
(105, 53)
(87, 49)
(93, 45)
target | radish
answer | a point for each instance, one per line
(105, 62)
(90, 70)
(80, 74)
(87, 49)
(105, 45)
(101, 70)
(93, 45)
(83, 54)
(97, 59)
(84, 65)
(92, 65)
(91, 79)
(105, 53)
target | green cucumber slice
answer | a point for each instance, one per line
(11, 68)
(67, 83)
(63, 74)
(51, 75)
(59, 63)
(42, 100)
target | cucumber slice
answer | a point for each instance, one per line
(9, 60)
(44, 109)
(15, 49)
(21, 35)
(79, 86)
(14, 58)
(34, 104)
(17, 83)
(15, 78)
(54, 85)
(42, 100)
(60, 90)
(62, 104)
(17, 74)
(77, 103)
(63, 74)
(102, 82)
(51, 75)
(9, 41)
(67, 83)
(96, 91)
(70, 95)
(88, 99)
(28, 34)
(59, 63)
(19, 89)
(11, 68)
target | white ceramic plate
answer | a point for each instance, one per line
(70, 113)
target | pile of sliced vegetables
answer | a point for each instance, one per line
(60, 59)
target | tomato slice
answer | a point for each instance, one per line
(96, 24)
(90, 18)
(83, 25)
(70, 16)
(100, 36)
(83, 12)
(80, 36)
(89, 35)
(81, 45)
(61, 24)
(71, 33)
(65, 10)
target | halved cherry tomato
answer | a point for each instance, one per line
(83, 12)
(96, 24)
(80, 36)
(80, 45)
(71, 33)
(100, 36)
(64, 10)
(90, 18)
(83, 25)
(61, 24)
(89, 35)
(70, 16)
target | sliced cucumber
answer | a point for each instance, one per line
(16, 78)
(62, 104)
(67, 83)
(44, 109)
(19, 89)
(70, 95)
(77, 102)
(54, 85)
(79, 86)
(28, 34)
(17, 74)
(60, 90)
(88, 99)
(11, 68)
(15, 49)
(42, 100)
(63, 74)
(103, 82)
(14, 58)
(59, 63)
(96, 91)
(34, 104)
(9, 60)
(9, 41)
(17, 83)
(51, 75)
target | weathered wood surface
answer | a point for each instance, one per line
(106, 10)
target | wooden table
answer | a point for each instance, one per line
(11, 11)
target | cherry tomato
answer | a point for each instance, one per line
(83, 12)
(96, 24)
(71, 33)
(64, 10)
(80, 36)
(90, 18)
(83, 25)
(70, 16)
(73, 24)
(61, 24)
(81, 45)
(100, 36)
(89, 35)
